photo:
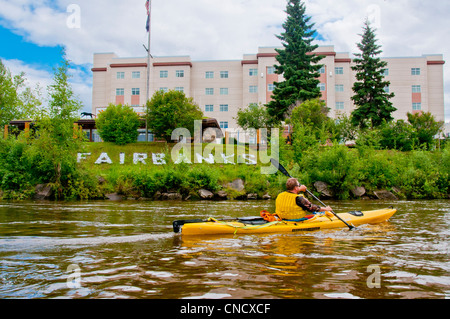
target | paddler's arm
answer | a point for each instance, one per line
(306, 205)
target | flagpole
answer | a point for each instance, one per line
(148, 64)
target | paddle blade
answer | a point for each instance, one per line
(280, 167)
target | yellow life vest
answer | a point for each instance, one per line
(287, 208)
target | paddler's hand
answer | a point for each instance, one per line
(326, 209)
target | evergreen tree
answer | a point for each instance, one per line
(371, 100)
(296, 63)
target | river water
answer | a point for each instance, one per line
(128, 250)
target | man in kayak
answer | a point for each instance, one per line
(291, 205)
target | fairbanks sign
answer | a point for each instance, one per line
(182, 153)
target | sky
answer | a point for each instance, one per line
(33, 32)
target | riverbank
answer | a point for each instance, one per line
(146, 171)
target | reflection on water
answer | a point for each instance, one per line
(128, 250)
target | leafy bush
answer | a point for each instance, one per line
(119, 124)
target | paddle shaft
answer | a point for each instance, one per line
(286, 173)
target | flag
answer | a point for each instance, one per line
(147, 6)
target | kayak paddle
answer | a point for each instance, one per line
(286, 173)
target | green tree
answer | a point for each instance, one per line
(425, 128)
(54, 151)
(255, 116)
(119, 124)
(169, 111)
(371, 100)
(311, 126)
(297, 63)
(16, 99)
(397, 135)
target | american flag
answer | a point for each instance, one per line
(147, 6)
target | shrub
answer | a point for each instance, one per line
(119, 124)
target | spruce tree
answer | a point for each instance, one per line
(371, 99)
(297, 63)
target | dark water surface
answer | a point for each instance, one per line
(128, 250)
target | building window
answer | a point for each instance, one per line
(253, 89)
(209, 108)
(165, 90)
(339, 88)
(163, 74)
(387, 89)
(209, 91)
(224, 74)
(209, 75)
(223, 107)
(386, 72)
(322, 70)
(416, 89)
(136, 75)
(120, 92)
(253, 72)
(179, 73)
(271, 70)
(339, 70)
(223, 125)
(339, 105)
(135, 91)
(120, 75)
(271, 87)
(417, 106)
(224, 91)
(322, 86)
(179, 89)
(415, 71)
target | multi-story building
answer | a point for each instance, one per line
(220, 88)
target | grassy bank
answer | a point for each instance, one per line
(409, 175)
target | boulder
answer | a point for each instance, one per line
(385, 195)
(205, 194)
(171, 196)
(252, 196)
(323, 189)
(237, 185)
(222, 195)
(114, 197)
(359, 191)
(267, 197)
(43, 192)
(101, 180)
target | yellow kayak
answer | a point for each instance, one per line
(256, 225)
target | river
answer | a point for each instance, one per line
(104, 249)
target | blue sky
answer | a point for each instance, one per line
(34, 31)
(18, 48)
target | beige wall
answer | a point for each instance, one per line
(194, 82)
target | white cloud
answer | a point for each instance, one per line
(226, 29)
(36, 77)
